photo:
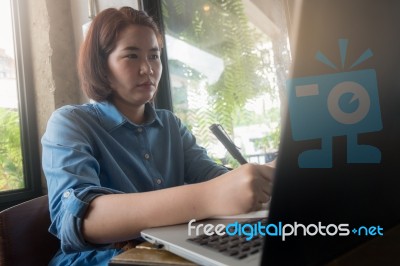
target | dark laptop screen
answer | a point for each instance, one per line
(339, 147)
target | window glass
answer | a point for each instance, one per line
(11, 168)
(227, 62)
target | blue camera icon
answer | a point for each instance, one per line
(340, 104)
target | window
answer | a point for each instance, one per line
(19, 157)
(227, 62)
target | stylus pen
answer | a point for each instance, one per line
(221, 135)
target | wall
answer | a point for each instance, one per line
(80, 13)
(55, 36)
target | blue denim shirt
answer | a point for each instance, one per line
(92, 149)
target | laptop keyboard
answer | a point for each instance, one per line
(234, 246)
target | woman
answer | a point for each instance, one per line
(117, 165)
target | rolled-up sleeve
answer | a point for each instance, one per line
(68, 225)
(71, 171)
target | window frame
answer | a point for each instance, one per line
(163, 98)
(26, 110)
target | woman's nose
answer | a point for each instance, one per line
(145, 68)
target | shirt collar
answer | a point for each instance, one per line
(110, 117)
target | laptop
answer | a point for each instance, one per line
(336, 184)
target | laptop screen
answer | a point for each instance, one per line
(336, 181)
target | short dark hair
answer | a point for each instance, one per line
(100, 41)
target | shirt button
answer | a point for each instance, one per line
(66, 194)
(146, 156)
(158, 181)
(140, 130)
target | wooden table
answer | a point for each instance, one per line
(148, 254)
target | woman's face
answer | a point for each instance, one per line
(135, 67)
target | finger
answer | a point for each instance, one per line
(265, 199)
(267, 172)
(263, 202)
(257, 206)
(272, 163)
(268, 188)
(265, 186)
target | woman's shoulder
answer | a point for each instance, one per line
(74, 113)
(75, 109)
(72, 122)
(166, 114)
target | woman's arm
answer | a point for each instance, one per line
(119, 217)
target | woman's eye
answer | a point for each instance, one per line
(154, 56)
(131, 56)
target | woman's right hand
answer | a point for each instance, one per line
(241, 190)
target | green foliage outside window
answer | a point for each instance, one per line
(221, 28)
(11, 173)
